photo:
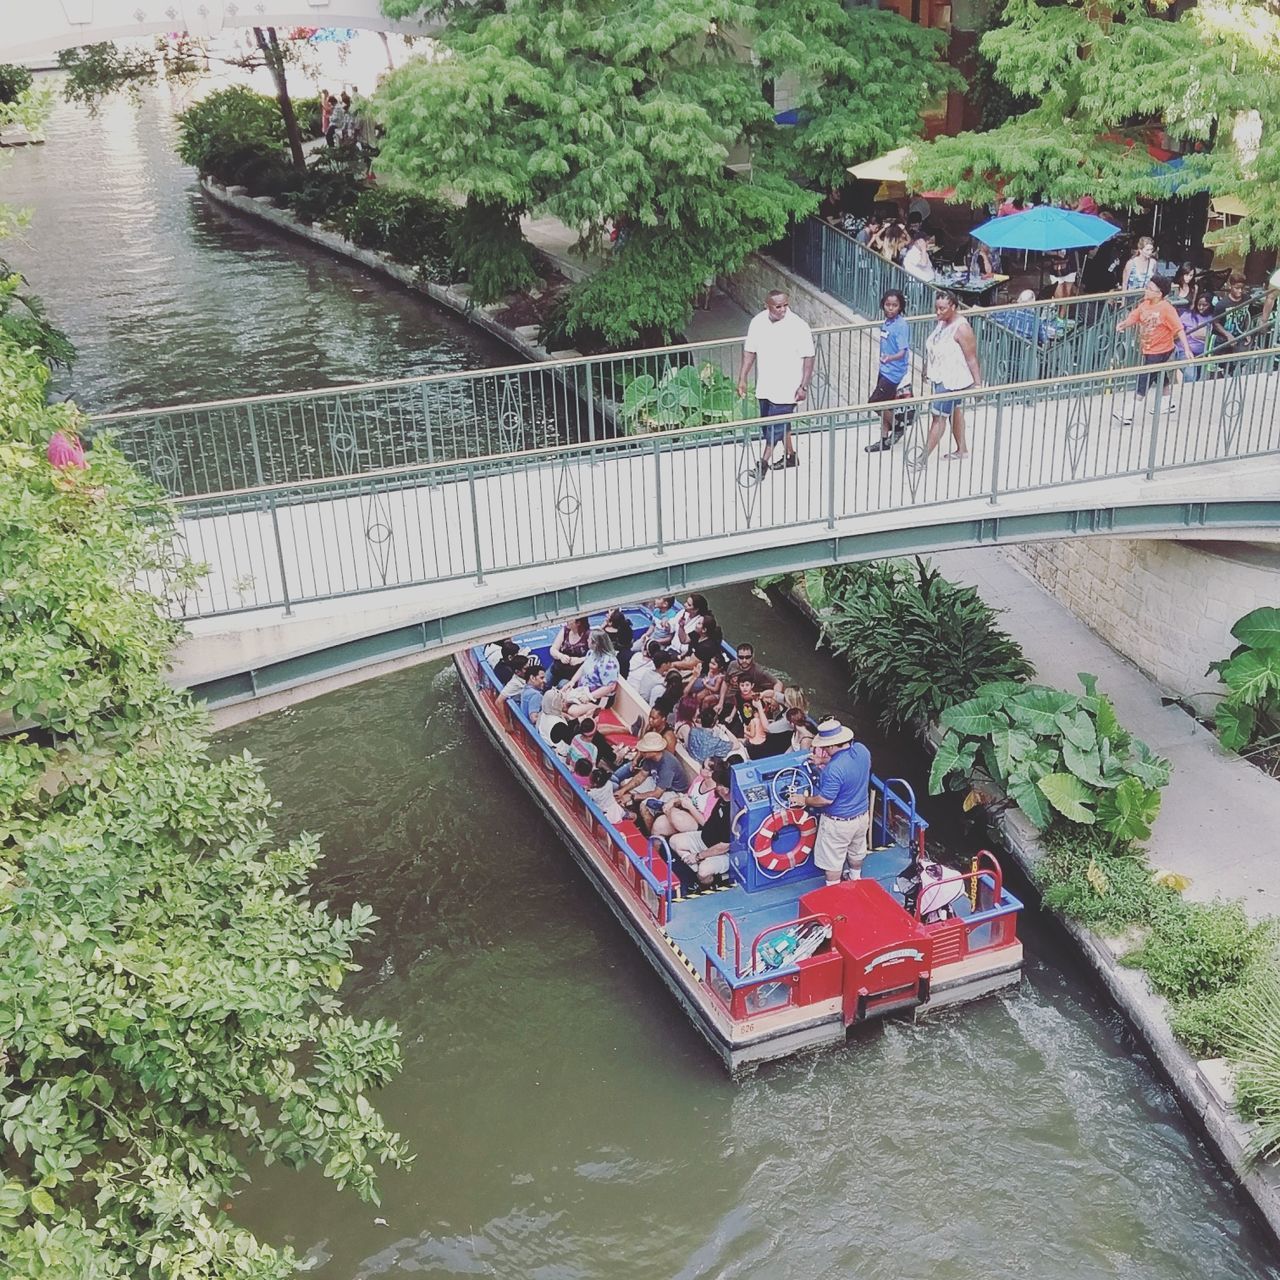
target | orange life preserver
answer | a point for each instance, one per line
(773, 862)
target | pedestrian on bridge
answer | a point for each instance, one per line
(779, 347)
(1159, 332)
(951, 365)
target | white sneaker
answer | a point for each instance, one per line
(1125, 420)
(1170, 406)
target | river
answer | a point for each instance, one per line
(569, 1124)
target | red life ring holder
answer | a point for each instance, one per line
(770, 860)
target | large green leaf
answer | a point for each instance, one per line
(972, 723)
(815, 587)
(1235, 723)
(1037, 708)
(1128, 811)
(1104, 718)
(946, 761)
(1150, 769)
(1028, 797)
(638, 393)
(1089, 682)
(1259, 629)
(1077, 728)
(1071, 797)
(1010, 746)
(1086, 765)
(999, 690)
(1254, 676)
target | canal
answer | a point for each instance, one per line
(568, 1122)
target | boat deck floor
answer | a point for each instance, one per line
(693, 920)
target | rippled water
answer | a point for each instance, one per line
(170, 299)
(569, 1123)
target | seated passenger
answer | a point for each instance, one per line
(688, 811)
(686, 713)
(582, 770)
(709, 680)
(602, 795)
(744, 714)
(669, 698)
(709, 738)
(801, 729)
(583, 746)
(651, 773)
(663, 628)
(552, 714)
(499, 654)
(533, 694)
(745, 664)
(617, 626)
(706, 850)
(596, 680)
(516, 681)
(569, 650)
(651, 681)
(560, 736)
(688, 623)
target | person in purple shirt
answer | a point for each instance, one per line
(842, 800)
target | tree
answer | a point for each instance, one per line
(98, 70)
(1102, 77)
(168, 990)
(632, 110)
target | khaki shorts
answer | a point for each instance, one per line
(842, 844)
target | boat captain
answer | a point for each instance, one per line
(841, 800)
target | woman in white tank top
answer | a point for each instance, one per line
(951, 363)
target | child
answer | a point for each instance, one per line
(601, 795)
(583, 746)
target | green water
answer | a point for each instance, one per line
(570, 1123)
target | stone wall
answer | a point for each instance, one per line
(1167, 606)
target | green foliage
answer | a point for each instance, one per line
(597, 110)
(231, 132)
(324, 193)
(1054, 752)
(95, 70)
(168, 1004)
(24, 322)
(490, 250)
(1101, 78)
(684, 396)
(1250, 712)
(1200, 949)
(411, 228)
(14, 82)
(1253, 1041)
(915, 644)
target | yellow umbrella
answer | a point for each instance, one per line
(1231, 206)
(885, 168)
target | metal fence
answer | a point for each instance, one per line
(278, 545)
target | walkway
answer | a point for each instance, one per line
(1217, 820)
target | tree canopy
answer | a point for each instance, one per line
(168, 991)
(1102, 79)
(601, 109)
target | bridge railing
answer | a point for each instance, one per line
(198, 449)
(279, 545)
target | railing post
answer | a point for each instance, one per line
(657, 492)
(259, 478)
(284, 579)
(995, 449)
(426, 423)
(591, 408)
(1155, 424)
(475, 522)
(831, 471)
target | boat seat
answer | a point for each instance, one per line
(610, 718)
(632, 834)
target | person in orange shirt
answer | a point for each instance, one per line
(1159, 332)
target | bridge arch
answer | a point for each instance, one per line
(35, 31)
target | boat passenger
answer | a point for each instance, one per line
(708, 681)
(745, 664)
(517, 679)
(706, 850)
(621, 633)
(603, 795)
(583, 746)
(569, 651)
(582, 770)
(552, 712)
(652, 772)
(669, 699)
(686, 713)
(502, 668)
(532, 695)
(688, 623)
(663, 628)
(709, 737)
(801, 732)
(843, 801)
(560, 736)
(745, 716)
(596, 679)
(689, 810)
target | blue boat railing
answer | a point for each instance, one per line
(895, 812)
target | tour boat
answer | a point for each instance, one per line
(777, 961)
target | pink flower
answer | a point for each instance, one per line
(65, 452)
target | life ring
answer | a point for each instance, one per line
(767, 857)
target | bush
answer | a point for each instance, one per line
(490, 250)
(1250, 713)
(685, 396)
(411, 228)
(230, 132)
(14, 82)
(323, 193)
(1253, 1041)
(1053, 752)
(914, 642)
(1199, 949)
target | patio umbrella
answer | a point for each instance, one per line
(1043, 228)
(885, 168)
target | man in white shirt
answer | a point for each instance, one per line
(916, 261)
(779, 347)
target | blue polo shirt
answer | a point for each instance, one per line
(895, 341)
(531, 702)
(844, 781)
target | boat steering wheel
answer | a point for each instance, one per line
(786, 782)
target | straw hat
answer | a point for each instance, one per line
(651, 742)
(831, 733)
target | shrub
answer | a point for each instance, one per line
(1054, 752)
(230, 131)
(14, 82)
(914, 642)
(1249, 715)
(1198, 949)
(490, 250)
(323, 193)
(684, 396)
(411, 228)
(1253, 1041)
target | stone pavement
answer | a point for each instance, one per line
(1219, 816)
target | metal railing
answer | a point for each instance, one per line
(277, 545)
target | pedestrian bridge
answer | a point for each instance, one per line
(356, 563)
(35, 31)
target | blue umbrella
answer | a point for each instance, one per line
(1043, 228)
